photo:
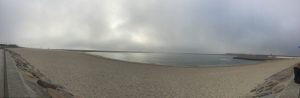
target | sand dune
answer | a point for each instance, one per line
(97, 77)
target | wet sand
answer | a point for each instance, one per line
(92, 76)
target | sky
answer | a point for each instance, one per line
(196, 26)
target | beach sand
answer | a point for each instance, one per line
(96, 77)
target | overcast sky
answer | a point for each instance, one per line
(202, 26)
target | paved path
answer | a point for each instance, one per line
(12, 84)
(1, 73)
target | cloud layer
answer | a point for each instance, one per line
(203, 26)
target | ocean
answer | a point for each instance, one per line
(176, 59)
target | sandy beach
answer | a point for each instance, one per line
(97, 77)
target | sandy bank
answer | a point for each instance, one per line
(92, 76)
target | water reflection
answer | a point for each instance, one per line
(179, 59)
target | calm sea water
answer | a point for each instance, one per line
(176, 59)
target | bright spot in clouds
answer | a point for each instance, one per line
(140, 39)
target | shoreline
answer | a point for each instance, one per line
(181, 66)
(94, 76)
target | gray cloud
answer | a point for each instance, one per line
(205, 26)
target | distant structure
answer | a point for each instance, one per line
(256, 57)
(8, 46)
